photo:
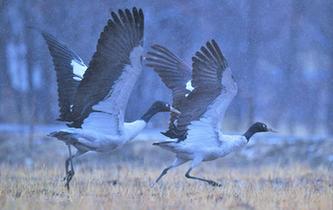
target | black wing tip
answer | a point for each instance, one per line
(135, 10)
(138, 13)
(47, 36)
(214, 49)
(141, 14)
(220, 53)
(214, 42)
(155, 46)
(125, 16)
(215, 45)
(160, 48)
(211, 42)
(114, 14)
(120, 11)
(194, 59)
(198, 54)
(51, 39)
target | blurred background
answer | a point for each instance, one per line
(281, 53)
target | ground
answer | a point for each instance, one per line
(281, 174)
(128, 187)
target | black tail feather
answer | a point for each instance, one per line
(163, 142)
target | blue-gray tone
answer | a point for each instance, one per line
(280, 52)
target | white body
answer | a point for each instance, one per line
(204, 140)
(187, 150)
(90, 140)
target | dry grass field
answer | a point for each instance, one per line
(128, 187)
(282, 175)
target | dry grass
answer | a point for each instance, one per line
(267, 187)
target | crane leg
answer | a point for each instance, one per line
(177, 162)
(69, 163)
(194, 164)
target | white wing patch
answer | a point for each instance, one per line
(78, 69)
(189, 85)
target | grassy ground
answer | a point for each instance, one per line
(128, 187)
(279, 176)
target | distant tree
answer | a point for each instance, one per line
(12, 100)
(262, 41)
(253, 40)
(324, 21)
(293, 75)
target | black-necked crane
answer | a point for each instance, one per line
(202, 97)
(93, 98)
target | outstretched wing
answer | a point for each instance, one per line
(207, 98)
(108, 82)
(69, 70)
(174, 73)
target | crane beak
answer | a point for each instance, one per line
(174, 110)
(272, 130)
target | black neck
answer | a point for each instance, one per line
(249, 133)
(149, 114)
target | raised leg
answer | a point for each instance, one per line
(68, 160)
(195, 163)
(70, 173)
(176, 163)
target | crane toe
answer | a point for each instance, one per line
(214, 184)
